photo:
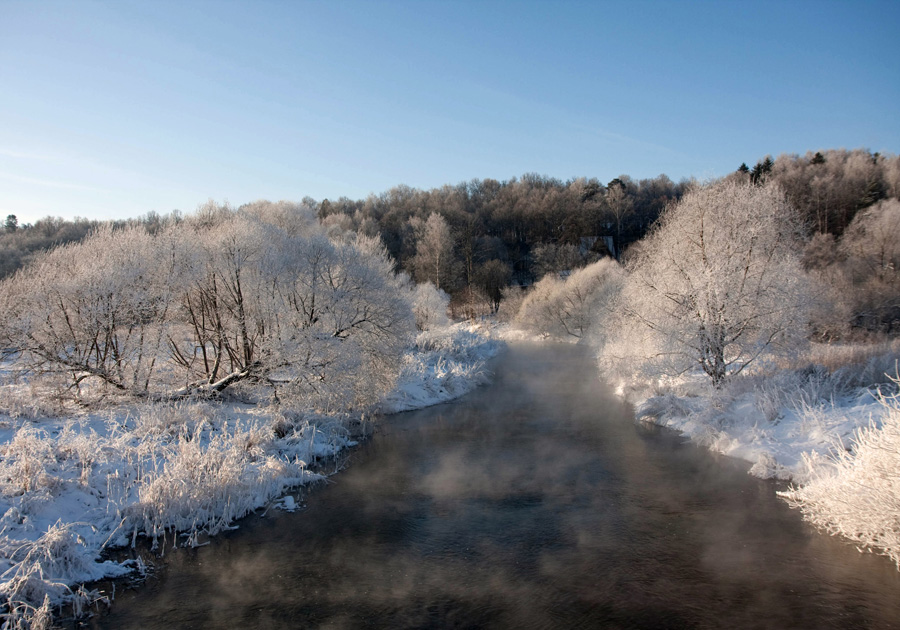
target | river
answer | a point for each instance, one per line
(535, 502)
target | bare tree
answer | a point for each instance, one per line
(716, 284)
(553, 258)
(619, 205)
(492, 277)
(434, 252)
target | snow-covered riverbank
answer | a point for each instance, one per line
(755, 422)
(177, 473)
(835, 433)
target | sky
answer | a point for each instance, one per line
(114, 109)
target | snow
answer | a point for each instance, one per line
(738, 426)
(175, 473)
(445, 367)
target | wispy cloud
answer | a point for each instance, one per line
(637, 142)
(49, 183)
(25, 155)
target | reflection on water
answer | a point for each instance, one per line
(533, 503)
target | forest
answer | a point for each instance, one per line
(489, 234)
(223, 350)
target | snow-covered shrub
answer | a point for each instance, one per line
(834, 356)
(172, 419)
(323, 321)
(41, 574)
(27, 400)
(430, 306)
(21, 615)
(93, 311)
(567, 308)
(47, 565)
(460, 342)
(857, 494)
(447, 363)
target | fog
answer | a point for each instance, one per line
(536, 502)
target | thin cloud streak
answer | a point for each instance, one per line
(24, 155)
(51, 183)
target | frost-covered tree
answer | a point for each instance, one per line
(434, 251)
(870, 249)
(261, 295)
(714, 286)
(342, 321)
(568, 308)
(511, 301)
(856, 495)
(94, 311)
(222, 304)
(430, 306)
(322, 319)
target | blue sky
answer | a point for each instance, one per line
(113, 109)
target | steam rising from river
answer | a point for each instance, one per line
(534, 503)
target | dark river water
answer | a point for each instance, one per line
(535, 502)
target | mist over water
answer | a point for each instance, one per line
(536, 502)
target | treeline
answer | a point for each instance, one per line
(21, 243)
(830, 187)
(475, 238)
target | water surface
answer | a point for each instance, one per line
(536, 502)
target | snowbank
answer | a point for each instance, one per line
(781, 437)
(447, 364)
(174, 473)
